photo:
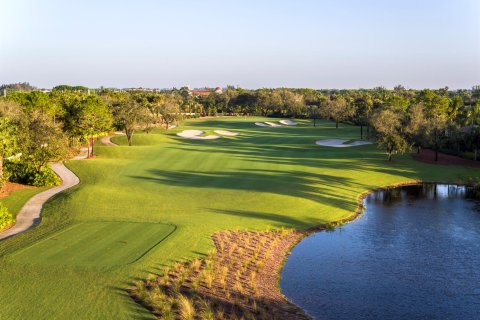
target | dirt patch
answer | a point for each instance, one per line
(428, 156)
(238, 279)
(10, 187)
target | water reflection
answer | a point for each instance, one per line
(429, 191)
(413, 254)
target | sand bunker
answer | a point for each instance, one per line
(261, 124)
(195, 135)
(288, 122)
(272, 124)
(339, 143)
(226, 133)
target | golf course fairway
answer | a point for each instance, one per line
(138, 209)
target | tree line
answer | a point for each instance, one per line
(38, 127)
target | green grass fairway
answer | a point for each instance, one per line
(266, 177)
(98, 244)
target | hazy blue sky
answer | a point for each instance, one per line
(318, 44)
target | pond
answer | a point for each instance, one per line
(413, 254)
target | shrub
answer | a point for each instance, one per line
(22, 172)
(6, 218)
(46, 178)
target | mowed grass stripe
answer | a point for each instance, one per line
(96, 244)
(74, 243)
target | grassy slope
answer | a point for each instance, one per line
(15, 201)
(265, 177)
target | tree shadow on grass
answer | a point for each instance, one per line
(135, 310)
(277, 220)
(363, 158)
(320, 188)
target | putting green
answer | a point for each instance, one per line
(97, 244)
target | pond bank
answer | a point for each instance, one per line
(414, 253)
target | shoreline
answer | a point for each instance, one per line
(240, 277)
(357, 213)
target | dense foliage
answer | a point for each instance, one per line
(6, 218)
(25, 172)
(398, 119)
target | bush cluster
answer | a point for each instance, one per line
(22, 172)
(6, 218)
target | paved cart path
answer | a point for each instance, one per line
(29, 215)
(106, 141)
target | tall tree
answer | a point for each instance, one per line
(435, 127)
(94, 119)
(167, 108)
(127, 112)
(472, 139)
(8, 142)
(364, 105)
(314, 113)
(415, 129)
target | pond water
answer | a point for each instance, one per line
(413, 254)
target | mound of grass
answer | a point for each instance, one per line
(96, 244)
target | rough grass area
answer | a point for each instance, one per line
(275, 177)
(96, 244)
(236, 281)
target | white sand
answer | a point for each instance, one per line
(288, 122)
(261, 124)
(205, 138)
(226, 133)
(171, 127)
(272, 124)
(339, 143)
(195, 135)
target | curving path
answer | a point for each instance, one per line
(29, 215)
(106, 141)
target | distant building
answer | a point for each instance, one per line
(142, 89)
(205, 92)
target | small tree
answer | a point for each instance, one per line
(40, 140)
(337, 109)
(128, 111)
(167, 107)
(388, 128)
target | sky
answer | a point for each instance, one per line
(251, 44)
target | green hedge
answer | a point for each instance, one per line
(6, 218)
(21, 172)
